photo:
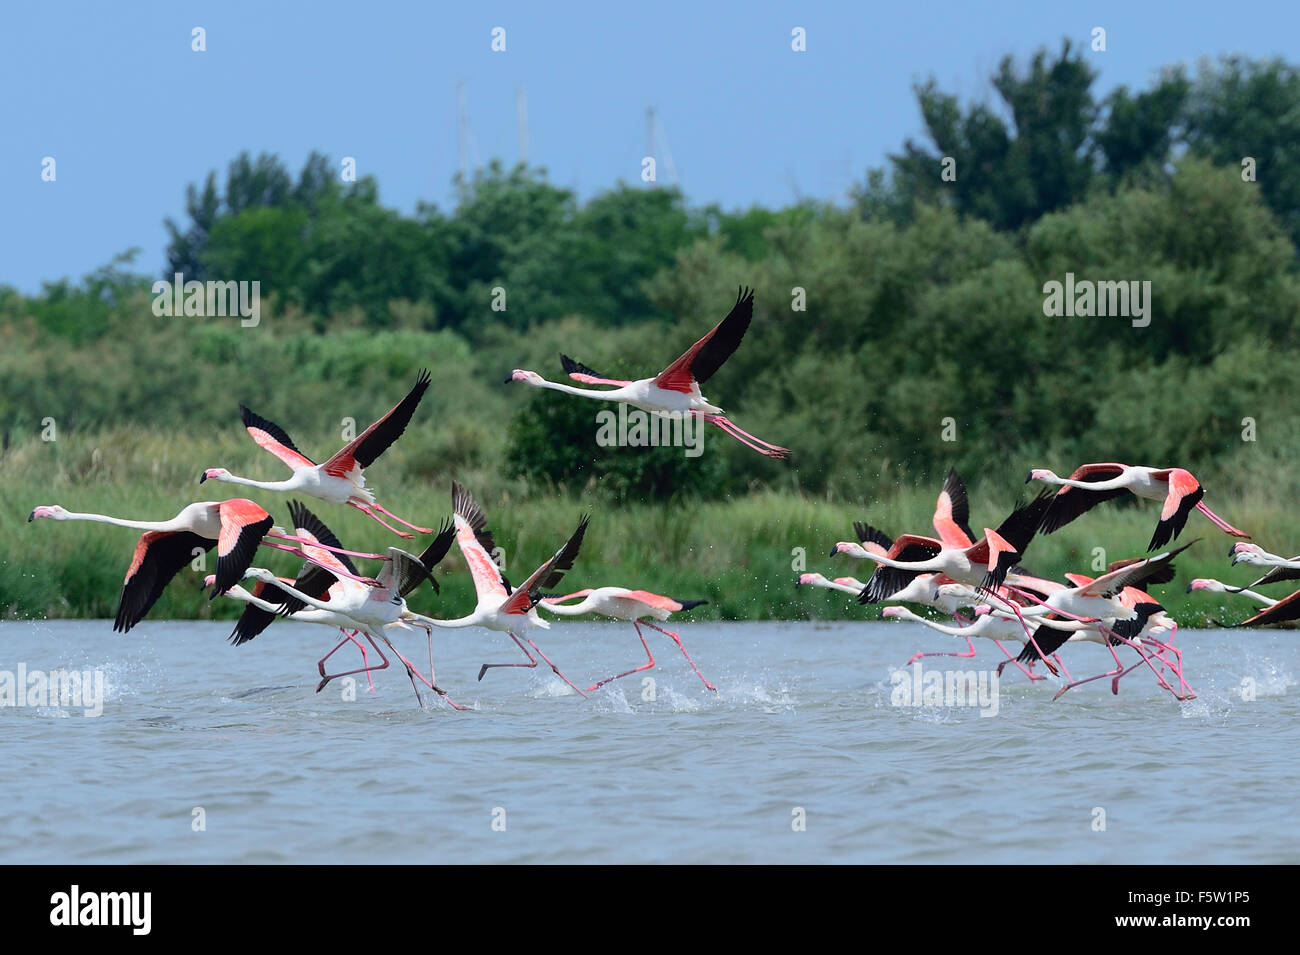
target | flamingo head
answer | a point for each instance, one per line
(1040, 474)
(889, 612)
(852, 548)
(214, 474)
(810, 580)
(527, 377)
(1205, 583)
(209, 581)
(1246, 553)
(53, 511)
(983, 610)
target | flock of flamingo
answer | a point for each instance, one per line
(981, 582)
(978, 580)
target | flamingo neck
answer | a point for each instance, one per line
(290, 484)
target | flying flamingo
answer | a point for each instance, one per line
(341, 479)
(372, 609)
(632, 606)
(675, 391)
(235, 527)
(1210, 585)
(500, 607)
(848, 585)
(1092, 484)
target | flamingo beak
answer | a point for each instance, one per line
(31, 517)
(510, 379)
(1030, 478)
(203, 477)
(1189, 588)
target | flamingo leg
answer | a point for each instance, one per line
(1011, 659)
(326, 678)
(299, 552)
(678, 640)
(747, 439)
(415, 527)
(335, 550)
(922, 656)
(413, 672)
(365, 509)
(1029, 633)
(650, 657)
(365, 661)
(530, 665)
(1219, 522)
(554, 668)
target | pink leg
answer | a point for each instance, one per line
(365, 509)
(755, 444)
(1011, 659)
(335, 550)
(412, 672)
(1219, 522)
(365, 661)
(298, 552)
(922, 656)
(1030, 634)
(415, 527)
(366, 669)
(530, 665)
(554, 668)
(1061, 663)
(678, 640)
(650, 657)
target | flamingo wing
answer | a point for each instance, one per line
(159, 556)
(659, 602)
(254, 619)
(706, 356)
(477, 544)
(884, 582)
(1071, 502)
(588, 376)
(1185, 492)
(1049, 639)
(1137, 574)
(376, 439)
(1288, 608)
(872, 539)
(547, 575)
(243, 525)
(432, 557)
(275, 439)
(952, 513)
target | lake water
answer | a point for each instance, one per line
(803, 730)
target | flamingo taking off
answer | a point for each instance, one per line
(1212, 586)
(1092, 484)
(341, 479)
(501, 607)
(675, 391)
(235, 527)
(633, 606)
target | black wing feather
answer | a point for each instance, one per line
(231, 567)
(391, 428)
(252, 420)
(726, 339)
(167, 553)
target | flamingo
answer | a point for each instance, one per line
(984, 564)
(1281, 568)
(848, 585)
(675, 391)
(500, 607)
(1210, 585)
(341, 479)
(632, 606)
(235, 527)
(372, 609)
(1092, 484)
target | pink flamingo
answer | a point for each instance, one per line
(235, 527)
(675, 391)
(341, 479)
(500, 607)
(1092, 484)
(632, 606)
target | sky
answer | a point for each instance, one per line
(131, 114)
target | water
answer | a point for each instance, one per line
(802, 721)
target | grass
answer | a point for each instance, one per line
(741, 555)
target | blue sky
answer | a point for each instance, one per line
(131, 114)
